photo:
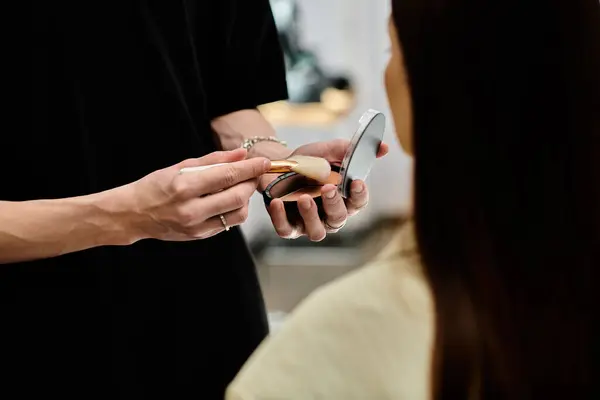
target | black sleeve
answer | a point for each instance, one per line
(245, 65)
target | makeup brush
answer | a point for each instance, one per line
(316, 168)
(312, 167)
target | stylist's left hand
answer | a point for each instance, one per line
(336, 207)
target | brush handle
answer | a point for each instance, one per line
(281, 166)
(198, 169)
(277, 167)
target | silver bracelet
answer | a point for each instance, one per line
(250, 142)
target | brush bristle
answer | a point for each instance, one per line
(312, 167)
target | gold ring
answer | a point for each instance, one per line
(334, 228)
(224, 222)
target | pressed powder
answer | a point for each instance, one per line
(357, 162)
(313, 190)
(291, 186)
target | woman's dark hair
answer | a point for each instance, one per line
(506, 116)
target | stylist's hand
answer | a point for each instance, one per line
(173, 206)
(336, 207)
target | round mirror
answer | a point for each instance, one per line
(363, 149)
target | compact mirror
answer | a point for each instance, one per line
(362, 153)
(357, 163)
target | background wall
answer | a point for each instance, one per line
(350, 36)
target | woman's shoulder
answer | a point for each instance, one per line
(391, 285)
(367, 334)
(392, 281)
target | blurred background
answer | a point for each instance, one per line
(336, 52)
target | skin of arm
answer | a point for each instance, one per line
(36, 229)
(232, 129)
(46, 228)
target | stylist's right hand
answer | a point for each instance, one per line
(174, 206)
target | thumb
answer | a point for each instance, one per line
(216, 157)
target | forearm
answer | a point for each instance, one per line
(37, 229)
(232, 129)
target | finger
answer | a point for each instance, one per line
(359, 197)
(310, 215)
(230, 199)
(336, 149)
(334, 207)
(207, 234)
(280, 221)
(197, 210)
(231, 219)
(226, 176)
(383, 150)
(333, 150)
(215, 179)
(216, 157)
(216, 225)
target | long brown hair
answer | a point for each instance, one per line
(506, 116)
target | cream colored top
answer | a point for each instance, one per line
(366, 336)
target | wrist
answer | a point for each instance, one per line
(116, 217)
(270, 150)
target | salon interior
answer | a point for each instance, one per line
(336, 52)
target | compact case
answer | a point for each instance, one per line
(356, 164)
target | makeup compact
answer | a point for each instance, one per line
(357, 163)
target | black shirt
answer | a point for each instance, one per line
(120, 89)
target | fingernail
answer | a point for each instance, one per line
(305, 205)
(330, 194)
(267, 164)
(358, 189)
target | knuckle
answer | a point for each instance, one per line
(180, 187)
(337, 219)
(337, 201)
(185, 218)
(258, 167)
(230, 177)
